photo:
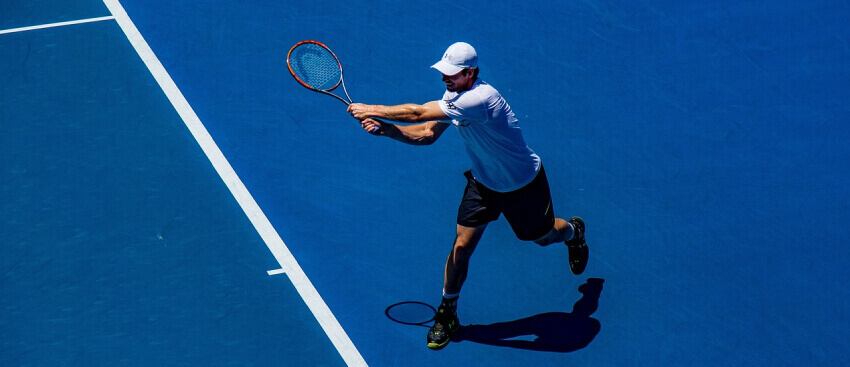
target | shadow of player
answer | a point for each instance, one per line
(555, 331)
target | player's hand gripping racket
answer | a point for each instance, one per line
(316, 67)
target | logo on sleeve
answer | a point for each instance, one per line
(450, 105)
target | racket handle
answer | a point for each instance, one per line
(376, 130)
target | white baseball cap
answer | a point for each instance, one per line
(458, 56)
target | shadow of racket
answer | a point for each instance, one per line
(411, 313)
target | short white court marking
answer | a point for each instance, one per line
(289, 266)
(53, 25)
(276, 272)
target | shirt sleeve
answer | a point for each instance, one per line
(466, 106)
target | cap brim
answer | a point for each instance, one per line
(446, 68)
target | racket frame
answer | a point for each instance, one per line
(308, 86)
(341, 81)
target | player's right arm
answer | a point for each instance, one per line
(406, 113)
(418, 134)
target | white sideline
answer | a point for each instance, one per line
(289, 266)
(53, 25)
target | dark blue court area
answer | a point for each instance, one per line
(172, 197)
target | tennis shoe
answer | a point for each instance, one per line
(577, 247)
(446, 324)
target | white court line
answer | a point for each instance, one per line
(272, 239)
(53, 25)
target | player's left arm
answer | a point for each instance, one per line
(407, 113)
(425, 133)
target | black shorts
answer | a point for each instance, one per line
(528, 210)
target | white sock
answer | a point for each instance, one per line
(572, 232)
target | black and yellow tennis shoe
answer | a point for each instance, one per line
(579, 253)
(446, 323)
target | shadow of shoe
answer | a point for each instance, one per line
(553, 331)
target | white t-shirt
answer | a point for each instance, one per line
(501, 160)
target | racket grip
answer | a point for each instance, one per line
(376, 130)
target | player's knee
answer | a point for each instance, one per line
(462, 250)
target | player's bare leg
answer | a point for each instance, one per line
(457, 267)
(457, 264)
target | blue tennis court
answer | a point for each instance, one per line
(170, 196)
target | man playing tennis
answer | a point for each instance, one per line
(507, 177)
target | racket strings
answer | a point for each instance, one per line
(316, 66)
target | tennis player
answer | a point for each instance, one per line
(507, 177)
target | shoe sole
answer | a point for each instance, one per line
(583, 264)
(438, 346)
(435, 346)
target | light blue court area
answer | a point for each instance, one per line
(705, 146)
(122, 246)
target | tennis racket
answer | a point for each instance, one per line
(317, 68)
